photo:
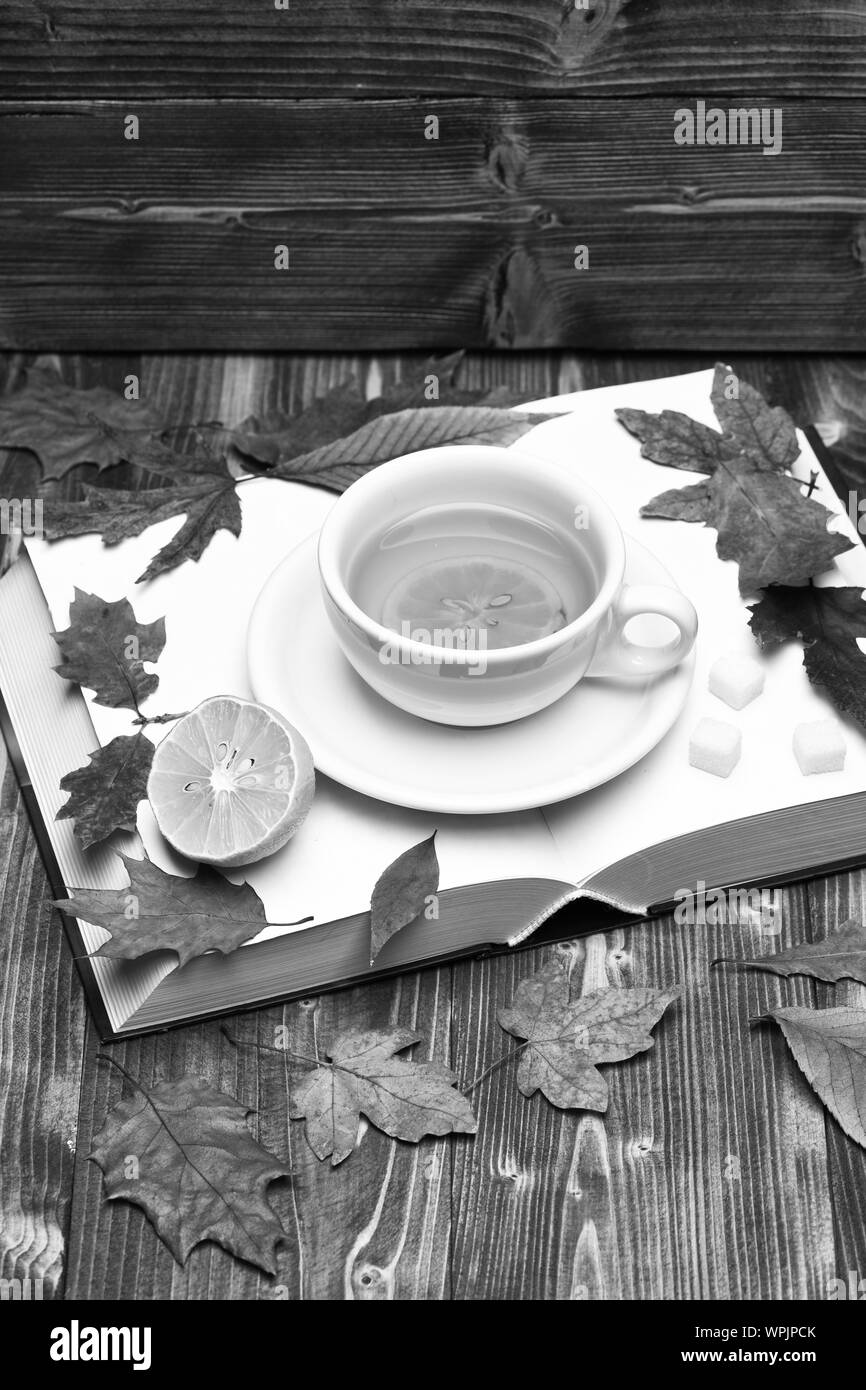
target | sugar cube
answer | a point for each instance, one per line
(715, 747)
(819, 747)
(737, 680)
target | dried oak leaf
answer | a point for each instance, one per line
(401, 892)
(829, 1046)
(828, 621)
(165, 912)
(403, 1098)
(200, 488)
(104, 795)
(338, 464)
(104, 647)
(65, 426)
(841, 956)
(183, 1153)
(566, 1038)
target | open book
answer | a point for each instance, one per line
(619, 853)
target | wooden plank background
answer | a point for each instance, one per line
(396, 241)
(715, 1174)
(197, 48)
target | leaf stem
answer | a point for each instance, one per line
(107, 1057)
(509, 1056)
(158, 718)
(266, 1047)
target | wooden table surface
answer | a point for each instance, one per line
(715, 1173)
(428, 169)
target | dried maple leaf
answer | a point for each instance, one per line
(841, 956)
(767, 433)
(828, 621)
(164, 912)
(677, 440)
(363, 1077)
(200, 488)
(401, 892)
(104, 795)
(693, 503)
(566, 1038)
(65, 426)
(764, 523)
(183, 1153)
(829, 1046)
(104, 647)
(337, 464)
(206, 513)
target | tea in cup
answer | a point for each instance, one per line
(472, 585)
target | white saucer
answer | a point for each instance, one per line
(589, 736)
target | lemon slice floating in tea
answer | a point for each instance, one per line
(231, 782)
(509, 601)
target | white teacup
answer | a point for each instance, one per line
(469, 687)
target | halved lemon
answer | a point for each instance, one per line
(506, 599)
(231, 782)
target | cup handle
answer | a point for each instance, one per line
(617, 657)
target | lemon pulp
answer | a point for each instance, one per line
(231, 782)
(505, 599)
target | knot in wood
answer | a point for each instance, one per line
(506, 158)
(858, 243)
(584, 27)
(370, 1282)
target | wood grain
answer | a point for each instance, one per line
(357, 48)
(42, 1022)
(395, 241)
(706, 1179)
(832, 901)
(716, 1172)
